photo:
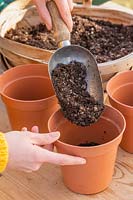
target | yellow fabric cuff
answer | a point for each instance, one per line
(3, 152)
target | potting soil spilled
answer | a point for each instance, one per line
(71, 90)
(88, 144)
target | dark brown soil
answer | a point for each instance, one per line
(88, 144)
(71, 89)
(37, 36)
(105, 40)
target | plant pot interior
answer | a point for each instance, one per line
(120, 88)
(101, 132)
(123, 94)
(29, 88)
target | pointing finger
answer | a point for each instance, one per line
(57, 158)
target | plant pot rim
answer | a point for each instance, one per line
(27, 101)
(91, 147)
(109, 93)
(113, 62)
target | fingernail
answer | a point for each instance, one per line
(48, 27)
(24, 129)
(55, 134)
(82, 161)
(70, 30)
(35, 127)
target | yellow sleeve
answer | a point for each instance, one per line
(3, 152)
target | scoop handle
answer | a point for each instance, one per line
(87, 3)
(61, 32)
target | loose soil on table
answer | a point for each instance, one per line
(107, 41)
(71, 89)
(88, 144)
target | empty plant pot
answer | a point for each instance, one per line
(96, 174)
(28, 95)
(119, 90)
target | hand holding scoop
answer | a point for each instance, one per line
(81, 108)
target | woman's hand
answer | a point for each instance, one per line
(26, 152)
(65, 7)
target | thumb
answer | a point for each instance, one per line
(43, 139)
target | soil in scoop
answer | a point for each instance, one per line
(105, 40)
(88, 144)
(71, 89)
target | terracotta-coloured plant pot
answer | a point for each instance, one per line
(28, 95)
(120, 92)
(96, 174)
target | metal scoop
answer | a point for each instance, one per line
(67, 53)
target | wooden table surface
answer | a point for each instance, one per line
(47, 184)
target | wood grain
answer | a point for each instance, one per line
(47, 184)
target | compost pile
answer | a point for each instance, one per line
(107, 41)
(71, 89)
